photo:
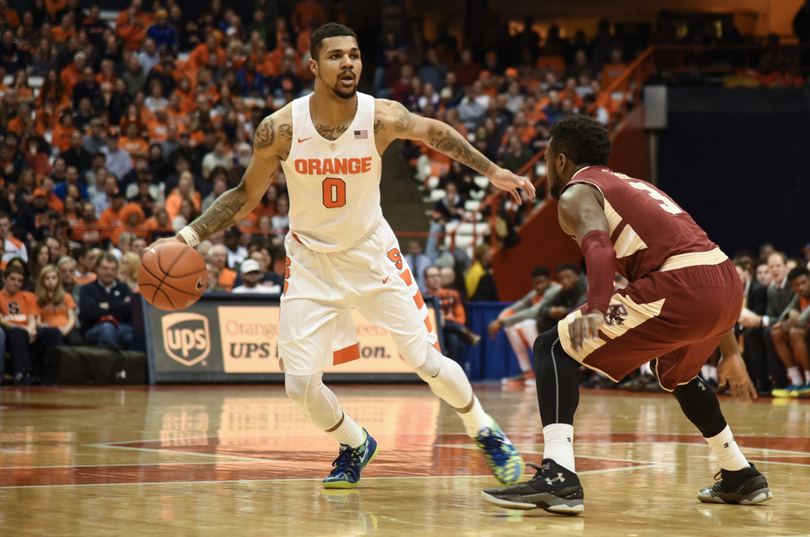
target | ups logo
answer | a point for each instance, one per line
(186, 337)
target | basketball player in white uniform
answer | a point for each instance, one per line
(342, 253)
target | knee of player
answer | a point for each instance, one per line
(798, 333)
(542, 349)
(296, 387)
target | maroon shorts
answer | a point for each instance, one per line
(678, 316)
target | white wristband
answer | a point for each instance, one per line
(189, 236)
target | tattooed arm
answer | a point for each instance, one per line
(394, 121)
(271, 142)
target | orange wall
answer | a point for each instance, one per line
(542, 242)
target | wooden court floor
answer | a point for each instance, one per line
(239, 460)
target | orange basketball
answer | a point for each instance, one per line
(172, 276)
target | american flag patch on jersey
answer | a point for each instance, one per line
(363, 134)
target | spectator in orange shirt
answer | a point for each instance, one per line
(159, 128)
(57, 309)
(199, 56)
(218, 257)
(570, 92)
(106, 73)
(54, 7)
(134, 144)
(453, 315)
(264, 63)
(132, 218)
(67, 28)
(11, 16)
(73, 73)
(63, 131)
(184, 190)
(51, 199)
(37, 159)
(131, 26)
(613, 70)
(26, 344)
(111, 218)
(54, 88)
(17, 124)
(85, 231)
(307, 13)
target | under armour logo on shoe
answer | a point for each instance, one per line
(725, 446)
(559, 478)
(702, 386)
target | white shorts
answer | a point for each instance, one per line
(316, 329)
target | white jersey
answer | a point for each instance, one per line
(334, 186)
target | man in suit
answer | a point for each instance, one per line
(755, 303)
(418, 262)
(779, 296)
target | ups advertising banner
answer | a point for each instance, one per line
(235, 338)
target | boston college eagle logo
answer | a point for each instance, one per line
(616, 314)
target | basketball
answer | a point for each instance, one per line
(172, 276)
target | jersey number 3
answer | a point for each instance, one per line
(334, 192)
(665, 204)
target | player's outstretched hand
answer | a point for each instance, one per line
(494, 327)
(584, 328)
(732, 369)
(506, 180)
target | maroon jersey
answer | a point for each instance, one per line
(646, 227)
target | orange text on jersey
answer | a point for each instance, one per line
(316, 166)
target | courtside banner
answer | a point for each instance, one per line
(234, 338)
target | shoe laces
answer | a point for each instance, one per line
(539, 470)
(346, 462)
(493, 443)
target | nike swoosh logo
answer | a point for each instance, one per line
(200, 283)
(386, 279)
(300, 141)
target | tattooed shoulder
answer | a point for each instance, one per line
(265, 134)
(403, 120)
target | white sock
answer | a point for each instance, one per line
(476, 419)
(348, 433)
(559, 444)
(807, 377)
(794, 375)
(727, 451)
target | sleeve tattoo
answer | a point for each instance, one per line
(222, 214)
(452, 144)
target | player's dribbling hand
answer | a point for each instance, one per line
(164, 240)
(732, 369)
(582, 329)
(506, 180)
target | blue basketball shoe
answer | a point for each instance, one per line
(350, 462)
(504, 460)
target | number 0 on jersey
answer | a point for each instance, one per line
(334, 192)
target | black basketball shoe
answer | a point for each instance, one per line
(553, 488)
(744, 487)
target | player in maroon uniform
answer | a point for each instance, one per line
(682, 301)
